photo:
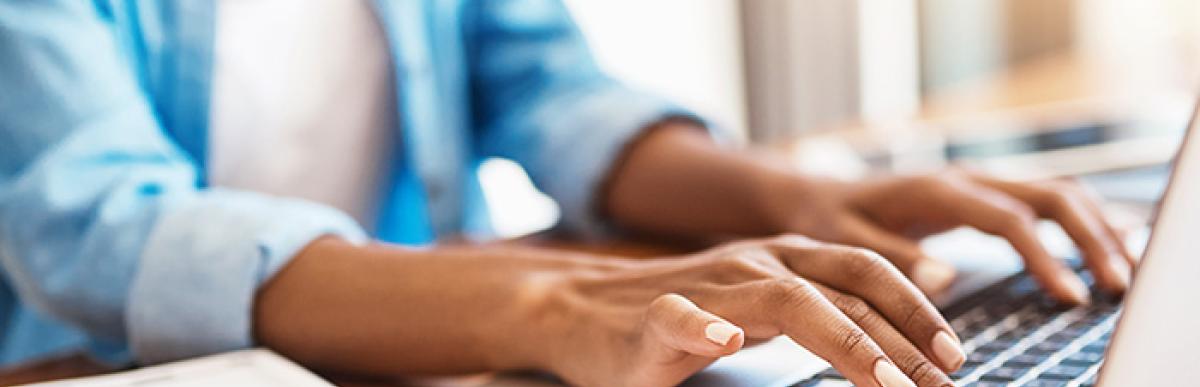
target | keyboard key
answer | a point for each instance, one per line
(1062, 337)
(965, 370)
(985, 383)
(1027, 359)
(1083, 358)
(1046, 383)
(1015, 334)
(979, 357)
(1046, 348)
(1004, 374)
(1065, 372)
(1095, 347)
(1022, 288)
(996, 346)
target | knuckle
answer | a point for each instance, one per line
(663, 305)
(921, 371)
(1058, 201)
(863, 263)
(745, 262)
(1016, 220)
(1066, 185)
(912, 319)
(732, 259)
(790, 240)
(945, 179)
(854, 308)
(792, 293)
(851, 341)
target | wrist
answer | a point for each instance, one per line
(535, 330)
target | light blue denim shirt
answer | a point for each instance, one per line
(110, 239)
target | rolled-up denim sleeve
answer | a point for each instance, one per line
(541, 100)
(102, 223)
(204, 260)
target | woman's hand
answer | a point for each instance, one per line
(599, 321)
(889, 215)
(654, 323)
(675, 181)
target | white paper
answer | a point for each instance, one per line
(249, 368)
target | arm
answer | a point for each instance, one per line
(676, 168)
(676, 181)
(599, 321)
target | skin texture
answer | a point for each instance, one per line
(676, 170)
(594, 321)
(610, 321)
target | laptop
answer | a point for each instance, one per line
(1015, 336)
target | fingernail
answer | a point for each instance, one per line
(1077, 288)
(932, 276)
(948, 350)
(720, 332)
(1121, 269)
(889, 376)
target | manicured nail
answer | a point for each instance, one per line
(932, 276)
(948, 350)
(721, 332)
(889, 376)
(1079, 291)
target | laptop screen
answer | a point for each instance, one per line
(1157, 339)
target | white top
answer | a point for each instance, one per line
(302, 102)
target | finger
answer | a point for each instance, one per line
(997, 213)
(674, 324)
(930, 275)
(1101, 251)
(868, 275)
(1093, 200)
(907, 357)
(797, 309)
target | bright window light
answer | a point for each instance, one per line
(517, 207)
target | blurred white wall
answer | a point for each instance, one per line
(687, 50)
(1147, 46)
(817, 64)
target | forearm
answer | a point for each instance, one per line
(677, 181)
(389, 311)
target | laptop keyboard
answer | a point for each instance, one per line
(1015, 336)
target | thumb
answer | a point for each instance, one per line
(678, 339)
(930, 275)
(674, 324)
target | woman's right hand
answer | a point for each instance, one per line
(655, 322)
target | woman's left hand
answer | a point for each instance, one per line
(890, 214)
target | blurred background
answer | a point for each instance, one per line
(1026, 89)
